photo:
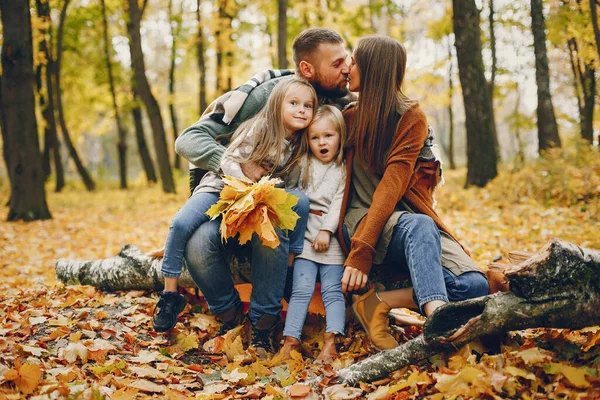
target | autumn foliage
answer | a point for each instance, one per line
(73, 341)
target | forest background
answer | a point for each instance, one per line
(87, 135)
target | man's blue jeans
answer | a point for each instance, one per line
(416, 247)
(205, 258)
(305, 277)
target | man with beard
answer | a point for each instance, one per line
(320, 58)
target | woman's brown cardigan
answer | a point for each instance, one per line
(402, 178)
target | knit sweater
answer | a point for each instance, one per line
(401, 180)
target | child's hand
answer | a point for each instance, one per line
(321, 242)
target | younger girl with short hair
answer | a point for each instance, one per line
(271, 139)
(322, 180)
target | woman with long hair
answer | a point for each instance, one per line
(388, 208)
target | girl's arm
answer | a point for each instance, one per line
(332, 218)
(237, 153)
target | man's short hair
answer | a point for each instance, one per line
(308, 41)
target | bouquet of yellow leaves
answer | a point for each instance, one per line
(254, 207)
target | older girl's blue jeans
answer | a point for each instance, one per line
(305, 277)
(416, 247)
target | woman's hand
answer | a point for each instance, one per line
(353, 279)
(322, 240)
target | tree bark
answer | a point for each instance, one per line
(557, 288)
(450, 151)
(140, 137)
(482, 156)
(51, 143)
(586, 80)
(175, 28)
(494, 69)
(19, 126)
(282, 6)
(546, 121)
(122, 142)
(85, 176)
(201, 61)
(594, 15)
(152, 108)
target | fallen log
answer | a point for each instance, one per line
(132, 269)
(557, 288)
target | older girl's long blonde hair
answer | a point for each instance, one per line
(381, 63)
(270, 129)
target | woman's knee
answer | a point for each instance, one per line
(468, 285)
(419, 229)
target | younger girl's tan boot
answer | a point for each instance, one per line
(289, 344)
(328, 351)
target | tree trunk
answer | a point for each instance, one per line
(546, 121)
(201, 61)
(586, 80)
(85, 176)
(51, 143)
(557, 288)
(481, 151)
(594, 14)
(175, 27)
(141, 138)
(19, 127)
(152, 108)
(450, 151)
(282, 34)
(122, 142)
(220, 47)
(494, 69)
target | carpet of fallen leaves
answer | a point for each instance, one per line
(60, 341)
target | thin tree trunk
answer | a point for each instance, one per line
(85, 176)
(520, 159)
(19, 126)
(482, 156)
(546, 121)
(5, 151)
(141, 138)
(175, 25)
(594, 14)
(152, 108)
(494, 69)
(201, 61)
(450, 151)
(282, 6)
(51, 144)
(584, 78)
(220, 48)
(122, 142)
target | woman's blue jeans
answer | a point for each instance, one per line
(305, 277)
(415, 247)
(205, 258)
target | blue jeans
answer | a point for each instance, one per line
(186, 222)
(205, 258)
(305, 277)
(415, 247)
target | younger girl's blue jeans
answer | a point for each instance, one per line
(305, 277)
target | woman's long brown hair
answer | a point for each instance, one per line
(381, 63)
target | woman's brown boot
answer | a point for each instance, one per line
(372, 314)
(290, 343)
(328, 351)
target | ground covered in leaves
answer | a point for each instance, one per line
(73, 341)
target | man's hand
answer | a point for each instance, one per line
(253, 171)
(353, 279)
(322, 240)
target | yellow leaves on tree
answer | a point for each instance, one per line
(26, 377)
(247, 208)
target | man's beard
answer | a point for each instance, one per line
(335, 93)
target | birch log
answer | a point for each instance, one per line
(557, 288)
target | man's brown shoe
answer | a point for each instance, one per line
(372, 314)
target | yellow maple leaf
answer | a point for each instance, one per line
(27, 378)
(125, 393)
(187, 342)
(247, 208)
